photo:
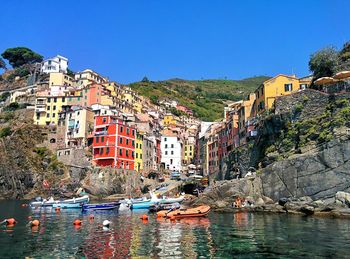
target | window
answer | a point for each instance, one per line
(137, 155)
(54, 107)
(48, 108)
(303, 86)
(140, 146)
(166, 145)
(127, 131)
(172, 152)
(55, 100)
(101, 151)
(165, 139)
(107, 150)
(166, 152)
(120, 140)
(172, 145)
(287, 87)
(104, 119)
(48, 115)
(53, 115)
(132, 154)
(48, 100)
(102, 139)
(133, 143)
(137, 145)
(63, 99)
(127, 153)
(140, 156)
(121, 129)
(127, 141)
(185, 148)
(96, 139)
(262, 91)
(133, 132)
(171, 161)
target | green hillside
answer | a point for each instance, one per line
(205, 97)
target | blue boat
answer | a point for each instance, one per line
(101, 206)
(143, 204)
(67, 205)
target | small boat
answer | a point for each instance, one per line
(199, 211)
(63, 205)
(142, 205)
(166, 206)
(51, 201)
(101, 206)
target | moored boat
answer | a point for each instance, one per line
(165, 206)
(51, 201)
(199, 211)
(101, 206)
(63, 205)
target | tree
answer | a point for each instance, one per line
(145, 79)
(2, 63)
(344, 57)
(20, 56)
(324, 62)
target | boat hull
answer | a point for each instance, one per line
(199, 211)
(83, 199)
(101, 206)
(67, 205)
(142, 205)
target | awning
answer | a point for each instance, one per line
(325, 80)
(342, 75)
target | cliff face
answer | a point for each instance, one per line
(319, 173)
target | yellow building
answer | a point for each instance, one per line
(169, 119)
(188, 152)
(138, 152)
(47, 109)
(270, 89)
(60, 79)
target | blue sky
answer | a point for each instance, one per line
(190, 39)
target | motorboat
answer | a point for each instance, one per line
(50, 202)
(199, 211)
(101, 206)
(165, 206)
(64, 205)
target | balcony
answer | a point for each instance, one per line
(101, 133)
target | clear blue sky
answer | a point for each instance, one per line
(163, 39)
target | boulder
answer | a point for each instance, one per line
(343, 198)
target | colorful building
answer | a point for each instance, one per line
(138, 152)
(279, 85)
(114, 142)
(171, 148)
(169, 119)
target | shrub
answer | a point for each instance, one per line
(4, 132)
(12, 107)
(298, 108)
(4, 96)
(342, 103)
(41, 151)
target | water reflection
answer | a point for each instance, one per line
(218, 236)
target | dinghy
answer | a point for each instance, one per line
(51, 201)
(101, 206)
(199, 211)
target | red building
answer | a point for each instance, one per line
(114, 142)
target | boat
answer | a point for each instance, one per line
(142, 205)
(199, 211)
(63, 205)
(101, 206)
(166, 206)
(51, 201)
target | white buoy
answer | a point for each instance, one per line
(106, 223)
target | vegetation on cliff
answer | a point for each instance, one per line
(205, 97)
(23, 164)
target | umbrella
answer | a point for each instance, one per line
(325, 80)
(342, 75)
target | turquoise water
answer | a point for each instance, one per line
(240, 235)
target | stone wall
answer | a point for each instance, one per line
(73, 157)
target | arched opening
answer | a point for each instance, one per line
(53, 140)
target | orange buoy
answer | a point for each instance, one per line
(11, 221)
(35, 223)
(77, 222)
(35, 229)
(144, 217)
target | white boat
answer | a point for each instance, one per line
(51, 201)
